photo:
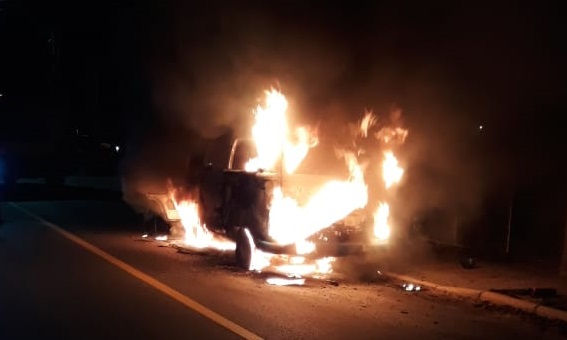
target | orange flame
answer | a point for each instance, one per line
(196, 234)
(271, 134)
(291, 223)
(282, 148)
(391, 171)
(381, 224)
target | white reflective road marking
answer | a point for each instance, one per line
(192, 304)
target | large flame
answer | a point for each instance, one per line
(274, 139)
(281, 148)
(291, 223)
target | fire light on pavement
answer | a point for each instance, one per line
(278, 281)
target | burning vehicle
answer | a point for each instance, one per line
(274, 208)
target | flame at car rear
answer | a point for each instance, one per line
(196, 234)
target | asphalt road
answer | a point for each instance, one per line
(52, 287)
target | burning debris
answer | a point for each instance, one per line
(410, 287)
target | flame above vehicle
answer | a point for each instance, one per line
(274, 139)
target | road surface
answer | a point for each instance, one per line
(53, 286)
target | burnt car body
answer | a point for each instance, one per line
(232, 200)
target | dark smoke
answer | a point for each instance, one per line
(210, 65)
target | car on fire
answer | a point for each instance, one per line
(235, 203)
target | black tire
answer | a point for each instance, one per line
(243, 253)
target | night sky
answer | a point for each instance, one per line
(125, 69)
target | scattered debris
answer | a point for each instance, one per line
(332, 282)
(144, 237)
(468, 262)
(410, 287)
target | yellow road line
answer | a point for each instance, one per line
(192, 304)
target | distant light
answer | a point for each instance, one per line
(1, 95)
(480, 127)
(117, 148)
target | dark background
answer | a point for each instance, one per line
(159, 76)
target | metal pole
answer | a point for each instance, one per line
(509, 231)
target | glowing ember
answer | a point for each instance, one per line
(196, 234)
(381, 225)
(391, 172)
(161, 238)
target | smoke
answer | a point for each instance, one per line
(211, 66)
(217, 67)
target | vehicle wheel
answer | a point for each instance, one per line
(243, 251)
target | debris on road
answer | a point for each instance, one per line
(161, 238)
(468, 262)
(332, 282)
(410, 287)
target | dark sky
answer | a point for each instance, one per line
(116, 65)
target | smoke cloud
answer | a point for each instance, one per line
(211, 66)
